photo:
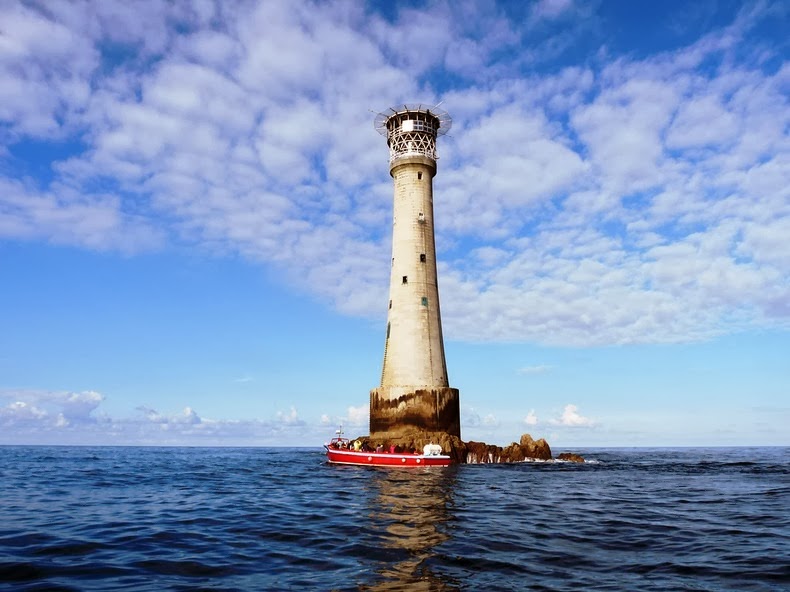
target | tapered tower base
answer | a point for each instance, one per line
(394, 409)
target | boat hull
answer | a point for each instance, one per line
(385, 459)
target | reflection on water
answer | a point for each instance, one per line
(410, 508)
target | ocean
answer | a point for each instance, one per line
(127, 518)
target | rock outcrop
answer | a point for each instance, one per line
(571, 457)
(525, 449)
(409, 440)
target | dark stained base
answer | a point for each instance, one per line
(431, 410)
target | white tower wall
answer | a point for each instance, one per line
(414, 349)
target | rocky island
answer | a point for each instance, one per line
(407, 440)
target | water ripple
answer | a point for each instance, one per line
(282, 519)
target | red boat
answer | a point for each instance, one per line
(341, 451)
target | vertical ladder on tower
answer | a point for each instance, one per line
(384, 365)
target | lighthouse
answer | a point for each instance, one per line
(414, 392)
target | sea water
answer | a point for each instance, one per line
(79, 518)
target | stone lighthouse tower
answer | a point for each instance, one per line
(414, 391)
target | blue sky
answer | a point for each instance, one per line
(195, 217)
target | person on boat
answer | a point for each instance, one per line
(392, 448)
(380, 448)
(357, 445)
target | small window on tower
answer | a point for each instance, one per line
(405, 279)
(419, 175)
(390, 303)
(422, 257)
(425, 301)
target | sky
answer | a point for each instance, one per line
(195, 218)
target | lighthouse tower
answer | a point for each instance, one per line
(414, 390)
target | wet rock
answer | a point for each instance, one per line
(571, 456)
(430, 410)
(538, 449)
(526, 449)
(482, 453)
(411, 440)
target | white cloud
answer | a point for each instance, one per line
(419, 40)
(551, 8)
(358, 416)
(44, 65)
(48, 411)
(703, 121)
(63, 417)
(355, 417)
(470, 417)
(62, 215)
(19, 410)
(574, 281)
(622, 130)
(80, 405)
(531, 419)
(490, 420)
(46, 405)
(151, 414)
(289, 418)
(571, 418)
(632, 200)
(186, 417)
